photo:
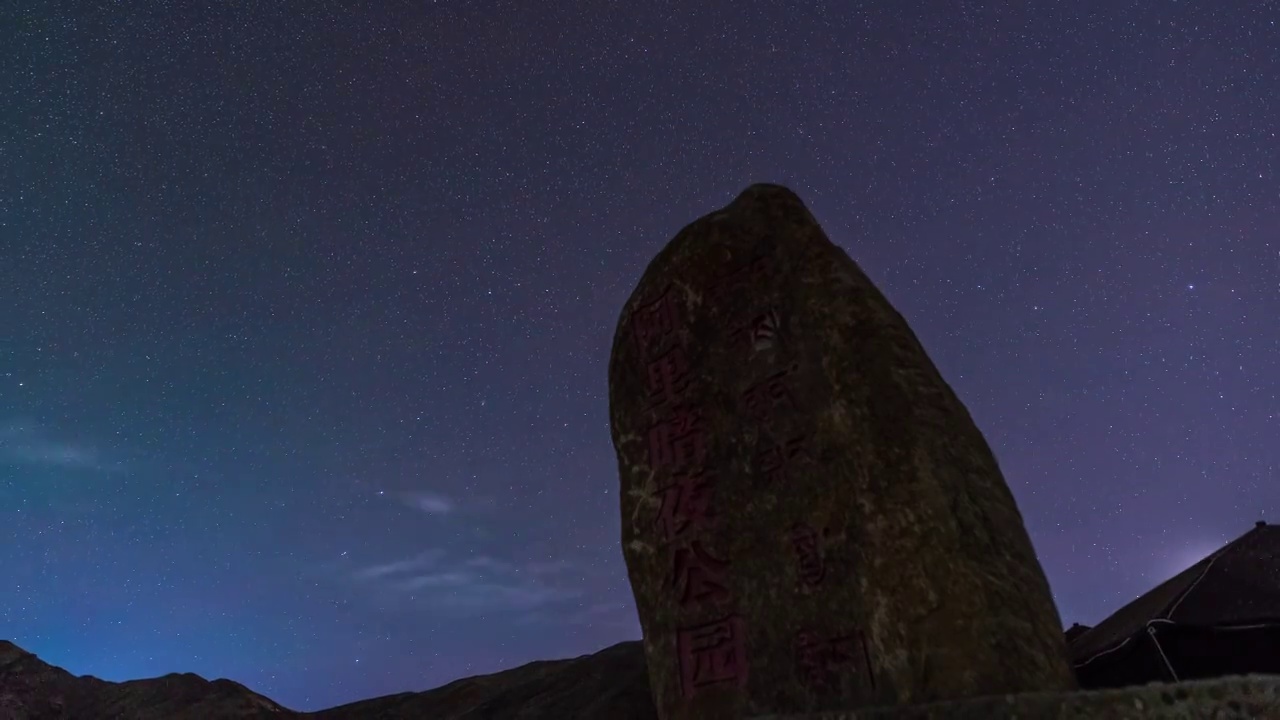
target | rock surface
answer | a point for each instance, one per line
(609, 684)
(810, 518)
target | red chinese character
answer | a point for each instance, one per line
(811, 659)
(698, 577)
(678, 441)
(653, 322)
(808, 550)
(841, 650)
(764, 395)
(775, 461)
(712, 654)
(667, 376)
(685, 504)
(820, 659)
(852, 650)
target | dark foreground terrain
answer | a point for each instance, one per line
(609, 684)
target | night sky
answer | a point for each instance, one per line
(305, 307)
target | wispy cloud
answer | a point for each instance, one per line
(478, 583)
(430, 503)
(451, 579)
(27, 444)
(399, 567)
(550, 567)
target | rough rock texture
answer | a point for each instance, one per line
(1255, 697)
(610, 684)
(34, 690)
(810, 518)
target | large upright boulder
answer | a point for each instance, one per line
(810, 518)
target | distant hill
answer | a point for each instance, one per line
(611, 684)
(35, 690)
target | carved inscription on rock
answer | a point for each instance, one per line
(775, 461)
(698, 577)
(807, 544)
(667, 376)
(822, 658)
(679, 443)
(800, 490)
(713, 653)
(770, 398)
(655, 321)
(685, 505)
(760, 399)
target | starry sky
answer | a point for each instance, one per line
(305, 307)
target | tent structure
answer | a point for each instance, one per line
(1219, 617)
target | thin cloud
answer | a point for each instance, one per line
(485, 562)
(430, 503)
(437, 580)
(27, 444)
(551, 567)
(480, 583)
(400, 567)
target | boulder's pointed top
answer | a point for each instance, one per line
(766, 191)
